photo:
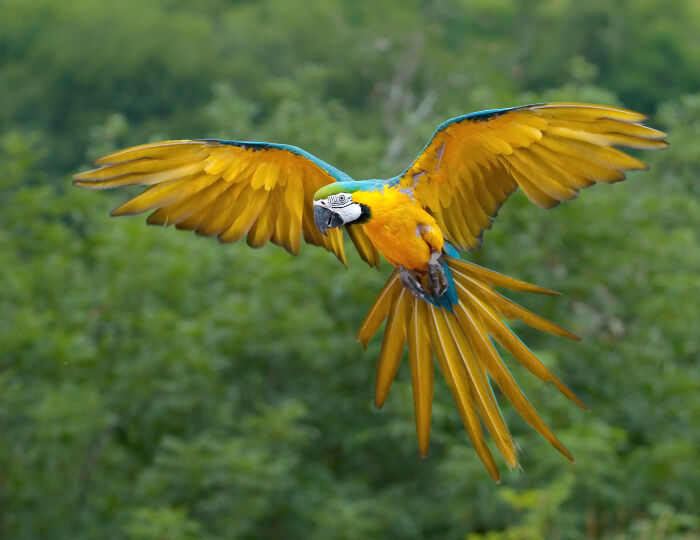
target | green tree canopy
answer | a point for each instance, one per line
(155, 385)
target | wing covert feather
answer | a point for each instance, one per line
(228, 189)
(550, 150)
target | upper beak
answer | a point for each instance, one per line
(326, 219)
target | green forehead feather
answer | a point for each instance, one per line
(335, 188)
(348, 187)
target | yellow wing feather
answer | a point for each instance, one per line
(226, 189)
(551, 151)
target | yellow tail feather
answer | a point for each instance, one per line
(420, 356)
(462, 343)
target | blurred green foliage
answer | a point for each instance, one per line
(154, 385)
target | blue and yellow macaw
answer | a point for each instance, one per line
(420, 220)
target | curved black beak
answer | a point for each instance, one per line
(326, 219)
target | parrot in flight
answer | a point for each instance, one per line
(435, 302)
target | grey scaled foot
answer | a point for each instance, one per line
(411, 280)
(436, 275)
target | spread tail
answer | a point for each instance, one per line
(461, 339)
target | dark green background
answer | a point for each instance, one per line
(156, 385)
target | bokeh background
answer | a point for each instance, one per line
(156, 385)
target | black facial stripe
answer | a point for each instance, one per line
(365, 214)
(336, 205)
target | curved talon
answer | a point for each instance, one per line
(411, 282)
(436, 275)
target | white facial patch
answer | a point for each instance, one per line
(343, 205)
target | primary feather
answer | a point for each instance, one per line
(550, 150)
(228, 189)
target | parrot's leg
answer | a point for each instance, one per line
(411, 280)
(436, 275)
(437, 280)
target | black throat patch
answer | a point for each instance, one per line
(365, 214)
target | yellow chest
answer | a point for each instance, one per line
(395, 227)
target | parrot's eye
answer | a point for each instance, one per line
(341, 199)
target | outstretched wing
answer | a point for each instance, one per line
(551, 150)
(228, 189)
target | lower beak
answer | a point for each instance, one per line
(326, 219)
